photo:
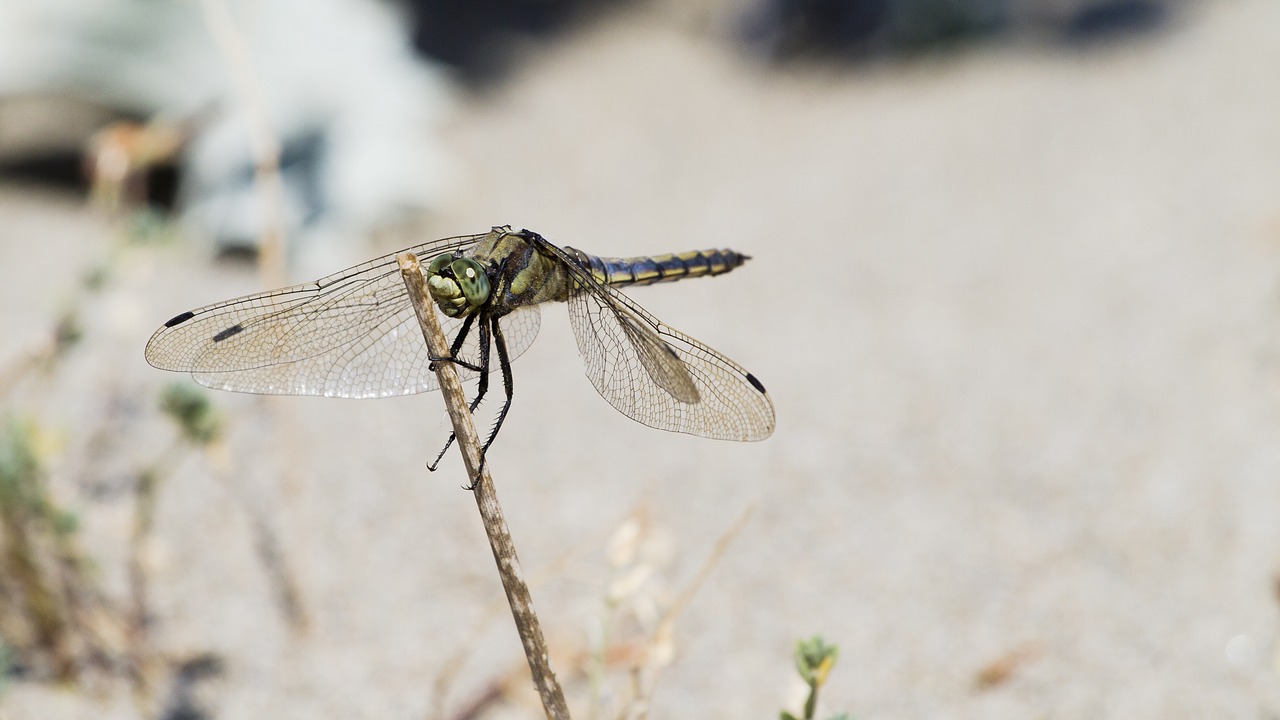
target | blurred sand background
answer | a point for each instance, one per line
(1018, 308)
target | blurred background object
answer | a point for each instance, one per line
(355, 91)
(355, 110)
(860, 29)
(482, 39)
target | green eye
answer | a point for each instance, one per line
(439, 263)
(472, 279)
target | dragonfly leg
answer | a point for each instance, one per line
(483, 369)
(504, 361)
(457, 347)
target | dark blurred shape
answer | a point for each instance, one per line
(1118, 17)
(135, 164)
(60, 169)
(42, 137)
(162, 187)
(476, 38)
(188, 699)
(859, 29)
(50, 141)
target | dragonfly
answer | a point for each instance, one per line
(354, 333)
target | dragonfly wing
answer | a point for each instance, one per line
(658, 376)
(351, 334)
(519, 328)
(659, 360)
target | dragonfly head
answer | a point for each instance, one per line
(458, 285)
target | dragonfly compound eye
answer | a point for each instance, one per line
(458, 285)
(445, 289)
(472, 280)
(439, 263)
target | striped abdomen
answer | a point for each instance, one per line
(659, 268)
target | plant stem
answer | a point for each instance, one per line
(495, 526)
(263, 143)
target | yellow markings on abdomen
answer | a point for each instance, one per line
(660, 268)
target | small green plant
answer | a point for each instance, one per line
(6, 665)
(814, 660)
(199, 424)
(47, 623)
(22, 487)
(191, 409)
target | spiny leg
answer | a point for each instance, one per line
(482, 368)
(484, 371)
(504, 361)
(457, 347)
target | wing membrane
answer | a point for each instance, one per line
(660, 360)
(656, 375)
(351, 334)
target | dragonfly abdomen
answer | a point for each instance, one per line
(659, 268)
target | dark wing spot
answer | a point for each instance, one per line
(754, 382)
(671, 351)
(178, 320)
(233, 330)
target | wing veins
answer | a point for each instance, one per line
(729, 407)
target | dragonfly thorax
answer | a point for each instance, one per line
(459, 285)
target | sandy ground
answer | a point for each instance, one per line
(1018, 311)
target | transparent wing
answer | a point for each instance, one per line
(351, 334)
(656, 375)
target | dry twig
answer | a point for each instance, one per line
(495, 526)
(263, 144)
